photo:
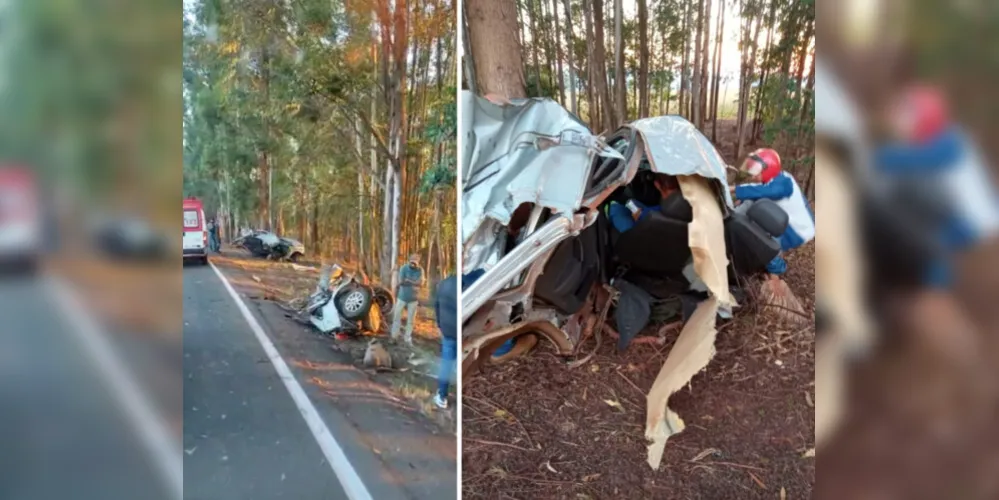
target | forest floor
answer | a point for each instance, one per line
(921, 425)
(533, 428)
(272, 285)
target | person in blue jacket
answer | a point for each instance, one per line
(624, 216)
(928, 146)
(446, 314)
(772, 183)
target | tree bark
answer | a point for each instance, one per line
(572, 71)
(705, 56)
(558, 52)
(600, 62)
(684, 79)
(592, 98)
(747, 78)
(360, 197)
(643, 69)
(499, 66)
(802, 55)
(534, 45)
(696, 91)
(716, 81)
(758, 122)
(620, 88)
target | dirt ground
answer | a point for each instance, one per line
(272, 285)
(533, 428)
(922, 425)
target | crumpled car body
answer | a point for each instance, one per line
(268, 245)
(347, 303)
(537, 185)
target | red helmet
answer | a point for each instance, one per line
(763, 162)
(921, 113)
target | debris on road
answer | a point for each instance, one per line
(375, 356)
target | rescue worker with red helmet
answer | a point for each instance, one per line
(772, 183)
(929, 148)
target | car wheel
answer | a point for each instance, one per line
(295, 257)
(384, 300)
(204, 260)
(354, 303)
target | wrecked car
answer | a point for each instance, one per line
(537, 184)
(347, 304)
(267, 245)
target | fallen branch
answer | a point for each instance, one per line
(504, 410)
(496, 443)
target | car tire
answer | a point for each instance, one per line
(295, 257)
(385, 300)
(354, 302)
(204, 261)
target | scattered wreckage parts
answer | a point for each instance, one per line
(478, 349)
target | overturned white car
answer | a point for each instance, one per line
(536, 191)
(344, 303)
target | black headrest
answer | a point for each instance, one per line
(675, 206)
(769, 216)
(657, 245)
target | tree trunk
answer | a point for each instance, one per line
(758, 122)
(806, 117)
(547, 36)
(572, 68)
(558, 53)
(315, 226)
(705, 56)
(665, 84)
(534, 44)
(620, 87)
(499, 67)
(747, 78)
(643, 69)
(594, 106)
(264, 156)
(716, 81)
(802, 55)
(600, 62)
(684, 79)
(696, 91)
(572, 71)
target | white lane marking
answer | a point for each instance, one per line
(344, 470)
(152, 430)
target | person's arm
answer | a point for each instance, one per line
(645, 210)
(620, 217)
(470, 277)
(935, 156)
(437, 303)
(778, 188)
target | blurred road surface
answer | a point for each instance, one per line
(64, 432)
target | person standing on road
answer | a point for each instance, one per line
(213, 235)
(410, 280)
(446, 313)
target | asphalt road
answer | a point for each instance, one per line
(63, 431)
(252, 430)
